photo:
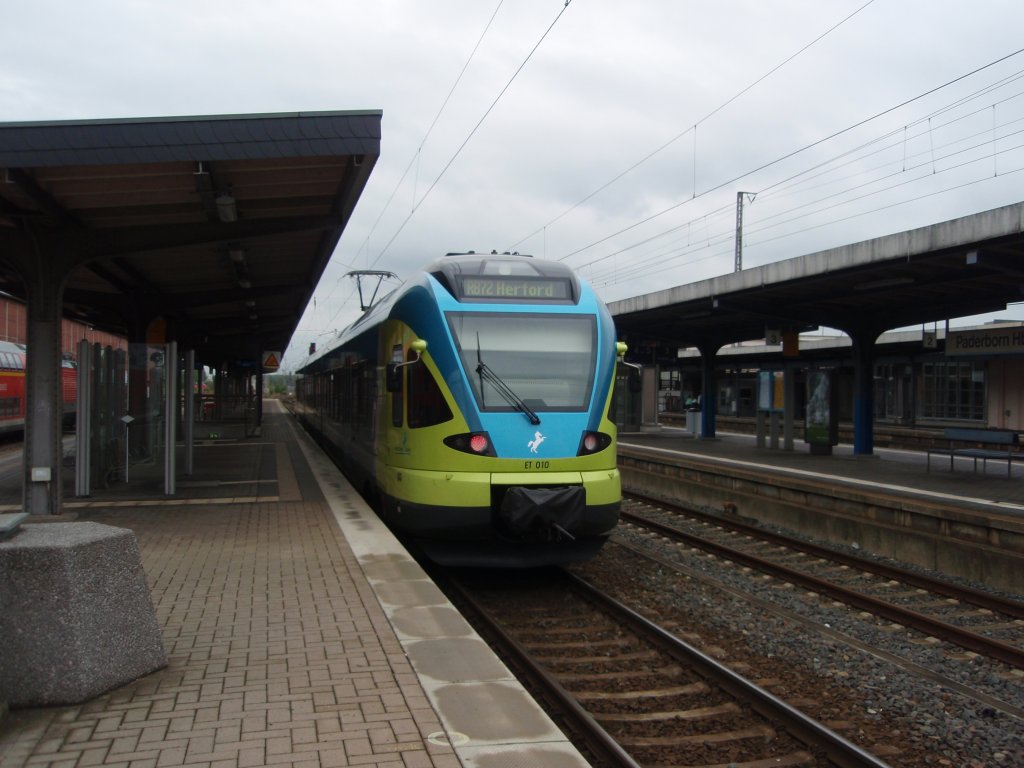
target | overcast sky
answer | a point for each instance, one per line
(612, 135)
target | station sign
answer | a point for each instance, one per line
(271, 361)
(994, 341)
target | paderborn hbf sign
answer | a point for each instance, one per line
(995, 341)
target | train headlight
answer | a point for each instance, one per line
(592, 442)
(477, 443)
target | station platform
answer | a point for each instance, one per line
(964, 521)
(899, 472)
(299, 632)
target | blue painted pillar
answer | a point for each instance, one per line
(708, 390)
(864, 393)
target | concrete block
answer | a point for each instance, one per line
(76, 616)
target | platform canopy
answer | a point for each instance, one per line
(967, 266)
(216, 227)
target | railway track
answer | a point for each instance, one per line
(633, 691)
(980, 622)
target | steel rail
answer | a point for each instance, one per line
(977, 597)
(815, 735)
(994, 649)
(597, 738)
(827, 631)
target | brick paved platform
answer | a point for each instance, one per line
(280, 630)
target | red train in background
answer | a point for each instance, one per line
(12, 387)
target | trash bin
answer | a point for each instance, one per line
(693, 422)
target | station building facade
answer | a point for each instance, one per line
(923, 378)
(14, 328)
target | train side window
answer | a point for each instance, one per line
(347, 400)
(427, 405)
(338, 376)
(397, 405)
(366, 397)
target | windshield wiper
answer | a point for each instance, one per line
(503, 389)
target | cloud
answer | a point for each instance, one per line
(610, 84)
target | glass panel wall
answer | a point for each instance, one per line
(953, 390)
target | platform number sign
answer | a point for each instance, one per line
(271, 361)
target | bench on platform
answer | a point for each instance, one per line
(975, 438)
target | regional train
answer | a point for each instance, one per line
(12, 387)
(471, 407)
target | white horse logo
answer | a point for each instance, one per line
(534, 444)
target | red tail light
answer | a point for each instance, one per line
(476, 443)
(592, 442)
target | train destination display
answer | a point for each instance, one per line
(516, 288)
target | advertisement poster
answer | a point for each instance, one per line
(821, 425)
(770, 391)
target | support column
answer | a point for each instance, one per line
(864, 392)
(171, 409)
(42, 492)
(708, 389)
(259, 397)
(649, 398)
(83, 421)
(789, 398)
(219, 391)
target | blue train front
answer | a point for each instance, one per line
(472, 406)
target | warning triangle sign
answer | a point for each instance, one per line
(271, 361)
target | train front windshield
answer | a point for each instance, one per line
(545, 361)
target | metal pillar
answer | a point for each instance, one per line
(259, 397)
(171, 409)
(189, 419)
(115, 393)
(83, 420)
(219, 392)
(739, 230)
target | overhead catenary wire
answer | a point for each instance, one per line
(930, 159)
(817, 177)
(413, 159)
(655, 244)
(904, 130)
(444, 104)
(471, 133)
(788, 155)
(638, 268)
(465, 141)
(969, 154)
(693, 128)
